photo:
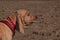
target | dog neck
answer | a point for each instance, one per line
(12, 18)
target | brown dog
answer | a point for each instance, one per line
(7, 26)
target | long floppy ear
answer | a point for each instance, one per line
(21, 13)
(21, 25)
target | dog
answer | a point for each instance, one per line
(7, 26)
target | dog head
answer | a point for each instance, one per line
(24, 17)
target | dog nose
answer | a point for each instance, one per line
(35, 17)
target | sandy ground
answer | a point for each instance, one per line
(48, 12)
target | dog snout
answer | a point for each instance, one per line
(35, 17)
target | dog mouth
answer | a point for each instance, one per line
(30, 22)
(27, 24)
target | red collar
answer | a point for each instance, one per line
(10, 22)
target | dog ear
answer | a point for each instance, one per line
(21, 13)
(21, 25)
